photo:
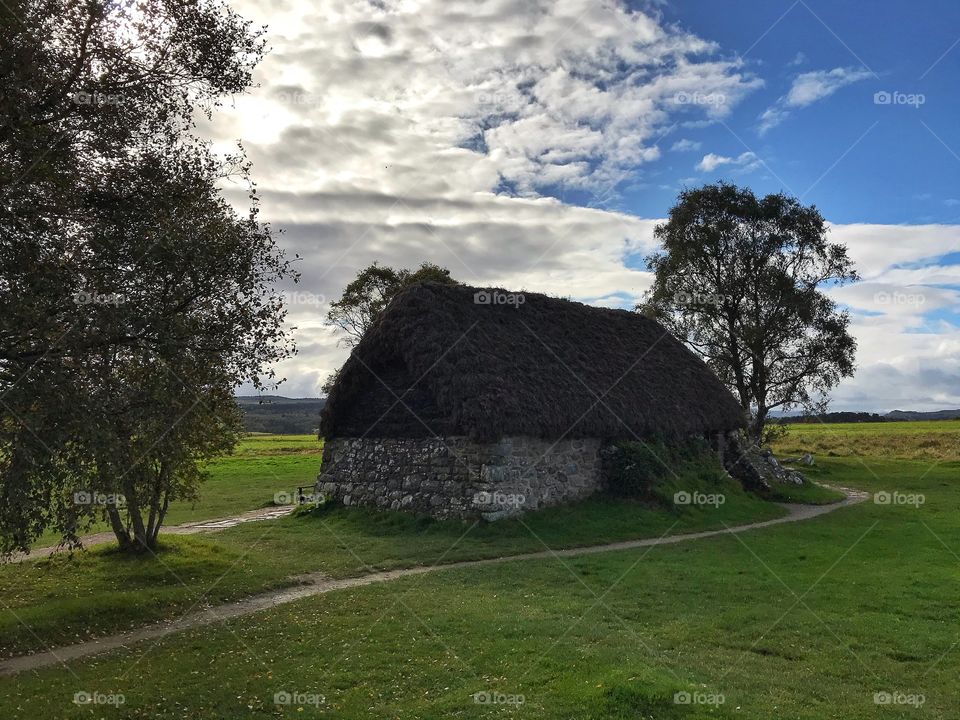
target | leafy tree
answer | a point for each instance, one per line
(368, 294)
(740, 279)
(135, 298)
(371, 291)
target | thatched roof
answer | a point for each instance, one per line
(546, 368)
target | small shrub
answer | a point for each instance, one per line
(653, 470)
(633, 467)
(627, 701)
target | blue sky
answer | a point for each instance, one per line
(906, 168)
(536, 145)
(856, 160)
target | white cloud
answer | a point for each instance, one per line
(685, 145)
(534, 244)
(745, 162)
(878, 248)
(808, 88)
(530, 95)
(403, 132)
(905, 359)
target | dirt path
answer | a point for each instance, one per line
(190, 528)
(318, 583)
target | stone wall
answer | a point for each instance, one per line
(455, 477)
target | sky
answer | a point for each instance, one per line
(535, 146)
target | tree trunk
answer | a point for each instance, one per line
(160, 516)
(116, 524)
(140, 539)
(757, 424)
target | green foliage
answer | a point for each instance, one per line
(248, 478)
(371, 291)
(135, 298)
(739, 280)
(653, 470)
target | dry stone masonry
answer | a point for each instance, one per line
(456, 477)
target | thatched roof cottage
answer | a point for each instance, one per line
(462, 401)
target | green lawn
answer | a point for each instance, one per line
(805, 621)
(64, 600)
(260, 467)
(807, 494)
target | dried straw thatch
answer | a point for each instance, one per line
(439, 362)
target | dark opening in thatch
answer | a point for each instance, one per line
(439, 363)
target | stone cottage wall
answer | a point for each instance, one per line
(455, 477)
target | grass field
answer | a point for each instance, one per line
(814, 620)
(260, 467)
(926, 440)
(65, 600)
(807, 621)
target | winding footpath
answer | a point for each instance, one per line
(190, 528)
(319, 583)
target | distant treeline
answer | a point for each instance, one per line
(281, 415)
(837, 417)
(301, 416)
(865, 417)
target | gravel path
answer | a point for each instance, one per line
(191, 528)
(318, 583)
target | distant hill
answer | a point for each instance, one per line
(865, 417)
(932, 415)
(280, 415)
(836, 417)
